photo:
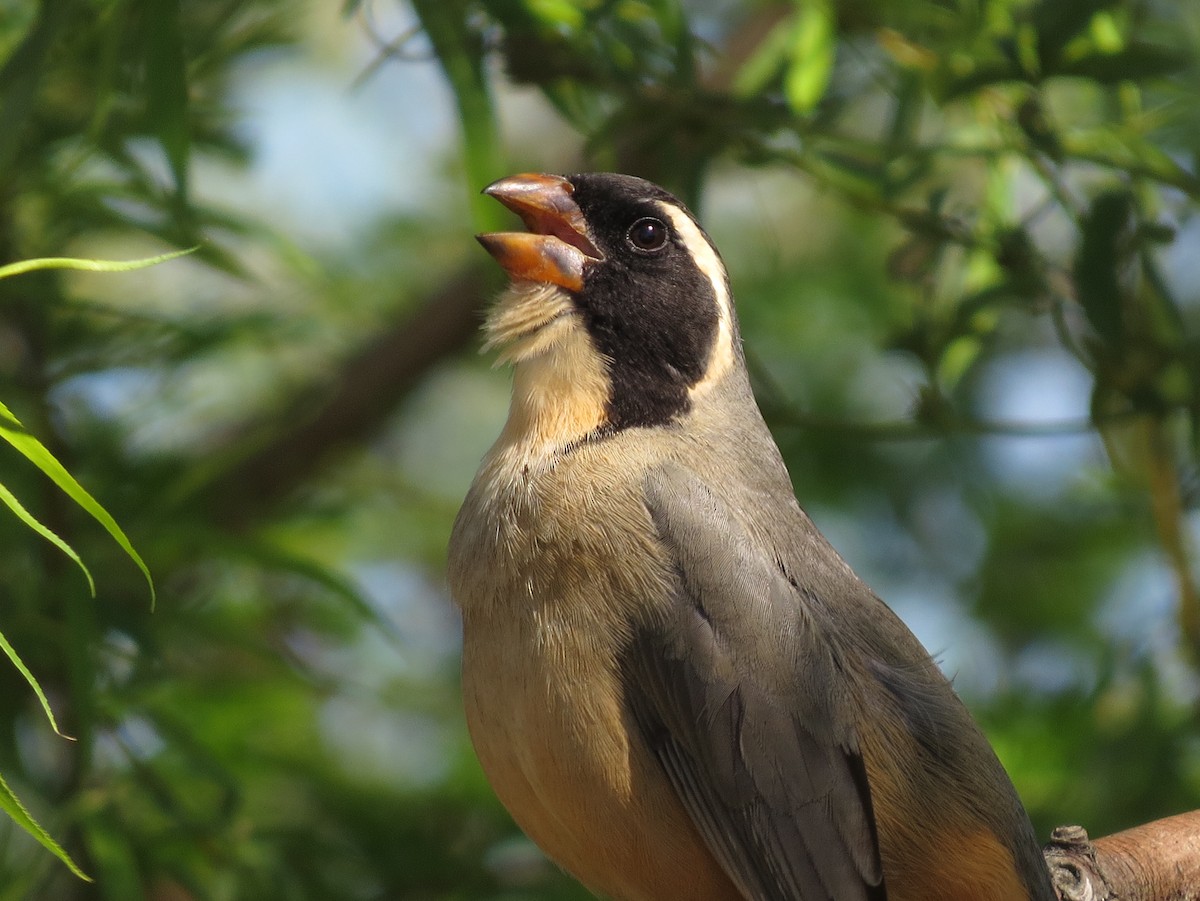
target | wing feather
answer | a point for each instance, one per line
(738, 691)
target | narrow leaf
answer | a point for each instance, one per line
(15, 809)
(22, 73)
(11, 653)
(765, 63)
(460, 53)
(808, 75)
(327, 578)
(1057, 23)
(1102, 262)
(166, 86)
(15, 434)
(89, 265)
(563, 14)
(1136, 62)
(26, 517)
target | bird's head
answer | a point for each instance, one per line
(619, 302)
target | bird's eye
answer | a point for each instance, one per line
(647, 234)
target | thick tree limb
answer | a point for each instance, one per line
(1159, 861)
(336, 414)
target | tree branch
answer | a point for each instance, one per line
(1159, 861)
(329, 417)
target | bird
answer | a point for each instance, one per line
(672, 681)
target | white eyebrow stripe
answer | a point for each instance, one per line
(708, 262)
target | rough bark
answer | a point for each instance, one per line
(1159, 861)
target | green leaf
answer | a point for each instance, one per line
(1108, 243)
(1138, 61)
(24, 266)
(166, 86)
(556, 13)
(462, 59)
(764, 64)
(21, 76)
(11, 653)
(813, 46)
(272, 555)
(1056, 23)
(15, 809)
(1106, 33)
(33, 450)
(26, 517)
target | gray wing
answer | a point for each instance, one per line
(742, 699)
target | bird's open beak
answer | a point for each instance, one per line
(556, 249)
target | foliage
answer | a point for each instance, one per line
(923, 203)
(35, 452)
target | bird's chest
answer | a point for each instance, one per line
(544, 705)
(544, 708)
(549, 575)
(534, 568)
(551, 546)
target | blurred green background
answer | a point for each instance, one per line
(963, 237)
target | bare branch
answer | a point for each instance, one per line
(1159, 861)
(331, 416)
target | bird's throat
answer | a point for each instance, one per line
(561, 385)
(520, 323)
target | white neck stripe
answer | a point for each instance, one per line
(708, 262)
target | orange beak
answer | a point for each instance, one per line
(556, 249)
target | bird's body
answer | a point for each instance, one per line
(673, 682)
